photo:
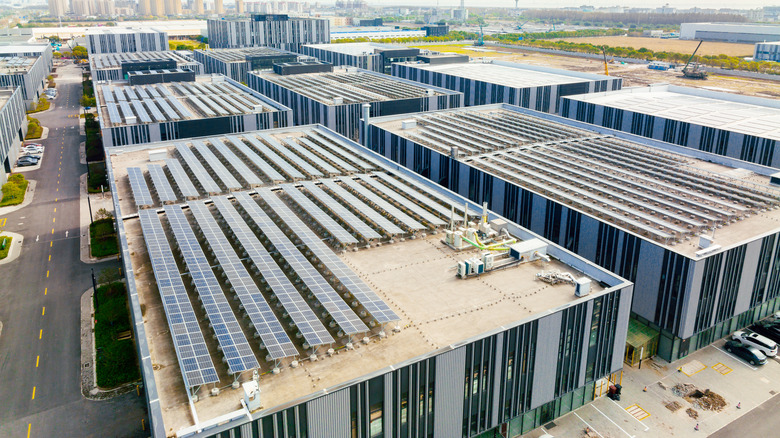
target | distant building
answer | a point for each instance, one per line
(114, 66)
(120, 40)
(235, 63)
(371, 22)
(28, 73)
(748, 33)
(767, 52)
(12, 129)
(434, 30)
(277, 31)
(370, 56)
(58, 8)
(376, 34)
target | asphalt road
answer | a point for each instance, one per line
(761, 421)
(40, 292)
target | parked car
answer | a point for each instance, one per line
(26, 161)
(769, 329)
(38, 145)
(761, 343)
(32, 147)
(749, 354)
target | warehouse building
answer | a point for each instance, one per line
(528, 86)
(114, 66)
(271, 30)
(211, 105)
(28, 73)
(698, 234)
(327, 278)
(747, 33)
(369, 56)
(29, 51)
(335, 97)
(742, 127)
(235, 63)
(375, 33)
(767, 52)
(13, 128)
(124, 40)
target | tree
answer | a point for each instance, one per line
(80, 52)
(87, 101)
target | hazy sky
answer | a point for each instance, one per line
(744, 4)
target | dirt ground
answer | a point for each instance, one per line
(634, 75)
(670, 45)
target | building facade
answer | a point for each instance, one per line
(235, 63)
(368, 56)
(528, 86)
(29, 74)
(741, 127)
(123, 40)
(749, 33)
(13, 128)
(691, 296)
(114, 66)
(44, 51)
(767, 52)
(277, 31)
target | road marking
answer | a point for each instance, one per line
(723, 369)
(37, 359)
(637, 412)
(33, 397)
(58, 189)
(51, 243)
(47, 274)
(610, 420)
(29, 426)
(52, 230)
(621, 407)
(49, 257)
(54, 219)
(46, 291)
(55, 209)
(589, 426)
(43, 311)
(3, 221)
(55, 199)
(40, 335)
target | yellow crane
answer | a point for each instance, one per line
(606, 67)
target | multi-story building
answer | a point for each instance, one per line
(114, 66)
(13, 128)
(124, 39)
(43, 51)
(749, 33)
(383, 339)
(767, 52)
(85, 8)
(436, 30)
(375, 33)
(336, 97)
(211, 105)
(235, 63)
(369, 56)
(58, 8)
(698, 233)
(528, 86)
(278, 31)
(27, 73)
(742, 127)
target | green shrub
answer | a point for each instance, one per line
(103, 241)
(116, 359)
(34, 129)
(43, 105)
(4, 250)
(14, 190)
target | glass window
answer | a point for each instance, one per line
(375, 422)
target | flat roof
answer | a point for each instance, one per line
(356, 49)
(662, 196)
(5, 95)
(744, 114)
(20, 48)
(239, 55)
(121, 30)
(114, 60)
(351, 84)
(411, 272)
(121, 104)
(508, 73)
(15, 64)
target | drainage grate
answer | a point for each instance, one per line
(550, 425)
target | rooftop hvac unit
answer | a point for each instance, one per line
(338, 101)
(217, 78)
(529, 250)
(429, 92)
(251, 395)
(582, 286)
(408, 124)
(158, 154)
(705, 241)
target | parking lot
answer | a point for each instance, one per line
(658, 411)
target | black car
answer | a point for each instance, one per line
(769, 329)
(749, 354)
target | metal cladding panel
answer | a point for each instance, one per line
(497, 379)
(448, 390)
(388, 407)
(328, 416)
(585, 343)
(546, 360)
(621, 329)
(749, 266)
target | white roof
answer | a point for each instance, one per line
(515, 76)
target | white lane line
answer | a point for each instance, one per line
(735, 357)
(610, 420)
(630, 415)
(589, 426)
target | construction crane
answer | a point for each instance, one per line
(480, 41)
(694, 71)
(606, 66)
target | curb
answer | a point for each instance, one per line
(28, 199)
(44, 135)
(16, 247)
(85, 253)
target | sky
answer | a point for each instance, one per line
(716, 4)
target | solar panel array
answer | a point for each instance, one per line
(197, 168)
(303, 152)
(316, 213)
(403, 201)
(384, 205)
(312, 330)
(161, 184)
(246, 173)
(361, 206)
(271, 332)
(261, 164)
(308, 168)
(235, 347)
(222, 173)
(370, 301)
(186, 187)
(344, 213)
(275, 158)
(191, 351)
(138, 185)
(319, 286)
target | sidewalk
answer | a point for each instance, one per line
(97, 202)
(28, 199)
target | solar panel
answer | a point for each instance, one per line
(330, 155)
(141, 93)
(152, 92)
(301, 314)
(139, 187)
(127, 112)
(155, 111)
(250, 177)
(130, 93)
(319, 286)
(113, 114)
(200, 172)
(201, 106)
(108, 95)
(318, 215)
(432, 192)
(274, 157)
(222, 173)
(120, 95)
(186, 187)
(339, 150)
(164, 91)
(292, 157)
(214, 105)
(261, 164)
(403, 201)
(161, 184)
(303, 152)
(194, 361)
(344, 213)
(370, 301)
(362, 207)
(139, 109)
(180, 108)
(271, 332)
(231, 339)
(428, 202)
(166, 108)
(384, 205)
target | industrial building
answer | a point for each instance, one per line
(767, 52)
(211, 105)
(114, 66)
(742, 127)
(30, 50)
(235, 63)
(330, 306)
(528, 86)
(436, 30)
(379, 33)
(698, 234)
(748, 33)
(27, 73)
(13, 128)
(335, 97)
(271, 30)
(369, 56)
(124, 40)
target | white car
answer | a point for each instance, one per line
(32, 150)
(760, 343)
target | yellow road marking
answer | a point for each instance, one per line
(49, 257)
(52, 230)
(43, 311)
(40, 335)
(33, 397)
(3, 221)
(46, 291)
(54, 219)
(29, 426)
(721, 368)
(47, 274)
(55, 199)
(58, 189)
(637, 412)
(58, 181)
(55, 209)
